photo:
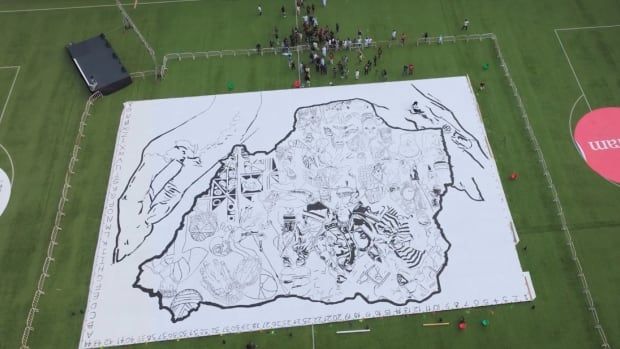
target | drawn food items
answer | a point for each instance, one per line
(201, 225)
(321, 208)
(185, 302)
(226, 282)
(345, 205)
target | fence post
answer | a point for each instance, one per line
(556, 199)
(49, 258)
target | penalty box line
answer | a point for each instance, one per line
(570, 64)
(8, 96)
(6, 103)
(590, 27)
(94, 6)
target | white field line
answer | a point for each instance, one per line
(8, 96)
(592, 27)
(572, 69)
(6, 103)
(94, 6)
(11, 162)
(313, 346)
(570, 124)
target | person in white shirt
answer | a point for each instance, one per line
(465, 24)
(357, 74)
(394, 34)
(260, 10)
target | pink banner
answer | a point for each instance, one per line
(598, 137)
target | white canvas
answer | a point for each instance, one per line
(261, 210)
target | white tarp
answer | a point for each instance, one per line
(261, 210)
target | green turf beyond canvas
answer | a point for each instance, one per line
(42, 117)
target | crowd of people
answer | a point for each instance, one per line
(324, 42)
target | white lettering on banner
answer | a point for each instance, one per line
(605, 144)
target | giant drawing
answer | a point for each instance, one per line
(326, 202)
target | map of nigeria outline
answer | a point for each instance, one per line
(344, 206)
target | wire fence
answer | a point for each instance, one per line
(144, 74)
(130, 23)
(60, 212)
(179, 56)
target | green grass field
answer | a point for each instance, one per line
(41, 120)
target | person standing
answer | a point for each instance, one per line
(393, 34)
(260, 10)
(357, 74)
(283, 11)
(337, 28)
(403, 38)
(324, 3)
(465, 24)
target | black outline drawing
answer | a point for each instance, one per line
(406, 254)
(362, 217)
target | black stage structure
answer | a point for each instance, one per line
(100, 67)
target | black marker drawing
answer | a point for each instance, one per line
(344, 206)
(253, 211)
